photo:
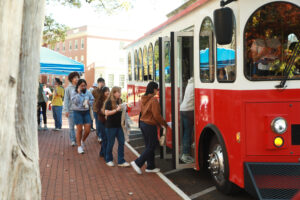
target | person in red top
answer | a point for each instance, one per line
(149, 120)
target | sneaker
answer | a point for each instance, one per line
(55, 129)
(100, 140)
(73, 144)
(80, 150)
(45, 127)
(40, 128)
(110, 164)
(155, 170)
(125, 164)
(186, 158)
(135, 167)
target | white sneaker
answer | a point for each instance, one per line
(80, 150)
(125, 164)
(110, 164)
(186, 158)
(100, 140)
(135, 167)
(82, 144)
(45, 127)
(155, 170)
(40, 128)
(73, 144)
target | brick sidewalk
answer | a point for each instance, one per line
(67, 175)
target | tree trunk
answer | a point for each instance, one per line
(21, 24)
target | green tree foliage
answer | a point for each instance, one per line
(53, 32)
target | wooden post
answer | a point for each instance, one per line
(21, 23)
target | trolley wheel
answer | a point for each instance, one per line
(219, 168)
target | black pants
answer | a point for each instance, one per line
(150, 137)
(42, 105)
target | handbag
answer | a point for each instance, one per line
(162, 139)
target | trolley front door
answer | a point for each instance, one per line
(182, 65)
(165, 92)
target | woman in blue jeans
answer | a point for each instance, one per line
(104, 94)
(149, 120)
(82, 99)
(113, 128)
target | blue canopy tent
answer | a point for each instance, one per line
(55, 63)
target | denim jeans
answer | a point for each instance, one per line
(111, 134)
(187, 118)
(104, 139)
(150, 137)
(72, 127)
(57, 115)
(97, 125)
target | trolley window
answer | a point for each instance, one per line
(140, 65)
(136, 73)
(206, 44)
(129, 67)
(167, 62)
(156, 61)
(145, 63)
(226, 59)
(150, 61)
(270, 39)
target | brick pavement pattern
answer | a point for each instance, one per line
(67, 175)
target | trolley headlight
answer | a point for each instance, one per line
(278, 142)
(279, 125)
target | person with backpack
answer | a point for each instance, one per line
(113, 128)
(150, 118)
(57, 103)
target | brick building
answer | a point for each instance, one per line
(100, 50)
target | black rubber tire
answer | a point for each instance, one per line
(225, 186)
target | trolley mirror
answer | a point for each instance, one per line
(223, 21)
(183, 99)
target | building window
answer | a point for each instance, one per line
(76, 58)
(76, 44)
(70, 45)
(122, 81)
(111, 80)
(82, 59)
(145, 64)
(122, 44)
(64, 47)
(82, 43)
(140, 65)
(207, 61)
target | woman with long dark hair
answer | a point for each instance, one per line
(149, 120)
(82, 99)
(113, 128)
(104, 94)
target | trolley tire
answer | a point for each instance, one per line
(225, 186)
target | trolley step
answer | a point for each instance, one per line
(272, 180)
